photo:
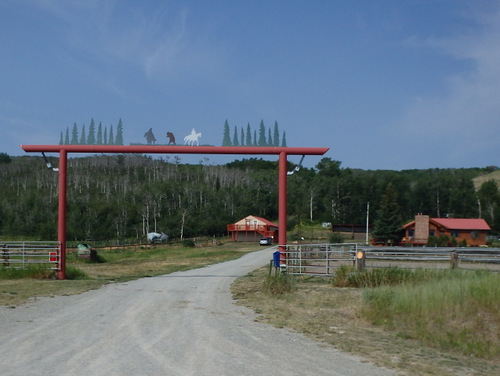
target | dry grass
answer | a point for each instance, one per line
(478, 181)
(332, 315)
(120, 265)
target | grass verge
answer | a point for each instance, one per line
(341, 316)
(21, 286)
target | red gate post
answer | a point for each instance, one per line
(61, 220)
(63, 150)
(282, 209)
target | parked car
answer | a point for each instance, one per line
(266, 241)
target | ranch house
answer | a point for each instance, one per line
(471, 230)
(252, 228)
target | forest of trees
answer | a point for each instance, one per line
(118, 197)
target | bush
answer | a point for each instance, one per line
(279, 284)
(336, 238)
(5, 158)
(188, 243)
(439, 241)
(75, 273)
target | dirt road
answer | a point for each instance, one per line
(178, 324)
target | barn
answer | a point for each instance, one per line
(252, 228)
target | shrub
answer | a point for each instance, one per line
(279, 284)
(336, 238)
(188, 243)
(75, 273)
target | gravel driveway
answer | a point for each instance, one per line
(183, 323)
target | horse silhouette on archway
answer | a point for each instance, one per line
(190, 139)
(150, 137)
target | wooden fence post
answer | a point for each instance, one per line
(454, 260)
(360, 260)
(5, 255)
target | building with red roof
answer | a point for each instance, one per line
(472, 231)
(252, 228)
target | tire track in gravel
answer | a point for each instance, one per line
(182, 323)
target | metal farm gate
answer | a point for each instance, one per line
(318, 259)
(28, 253)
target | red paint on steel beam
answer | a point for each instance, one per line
(63, 150)
(164, 149)
(282, 210)
(61, 220)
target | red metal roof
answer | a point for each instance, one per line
(462, 223)
(267, 222)
(457, 223)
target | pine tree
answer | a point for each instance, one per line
(388, 224)
(119, 133)
(111, 135)
(66, 138)
(83, 139)
(242, 137)
(283, 140)
(99, 135)
(105, 137)
(269, 138)
(262, 134)
(276, 138)
(91, 136)
(235, 137)
(226, 141)
(249, 135)
(254, 138)
(74, 136)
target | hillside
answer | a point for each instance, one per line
(119, 197)
(479, 180)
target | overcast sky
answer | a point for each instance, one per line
(387, 84)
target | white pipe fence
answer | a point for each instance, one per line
(323, 259)
(25, 253)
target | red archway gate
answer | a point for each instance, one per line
(63, 151)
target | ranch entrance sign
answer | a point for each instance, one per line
(63, 151)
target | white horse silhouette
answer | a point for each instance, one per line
(192, 138)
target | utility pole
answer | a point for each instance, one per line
(367, 220)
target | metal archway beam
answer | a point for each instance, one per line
(63, 151)
(164, 149)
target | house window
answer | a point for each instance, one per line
(431, 232)
(474, 234)
(454, 233)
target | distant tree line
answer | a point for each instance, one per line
(118, 197)
(247, 137)
(92, 136)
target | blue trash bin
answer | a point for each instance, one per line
(276, 259)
